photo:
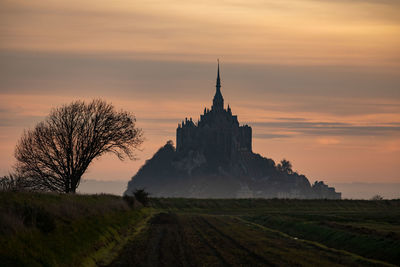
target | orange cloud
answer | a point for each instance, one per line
(294, 32)
(328, 141)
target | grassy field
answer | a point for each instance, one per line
(104, 230)
(65, 230)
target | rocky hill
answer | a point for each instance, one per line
(192, 174)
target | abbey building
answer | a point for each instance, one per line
(213, 158)
(217, 133)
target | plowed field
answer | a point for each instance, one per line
(184, 239)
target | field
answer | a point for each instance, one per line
(105, 230)
(191, 232)
(65, 230)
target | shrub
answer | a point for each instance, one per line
(131, 201)
(13, 182)
(377, 197)
(142, 196)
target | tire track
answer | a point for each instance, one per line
(209, 244)
(153, 257)
(260, 260)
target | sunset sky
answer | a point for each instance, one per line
(318, 81)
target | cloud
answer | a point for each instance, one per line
(290, 119)
(161, 120)
(328, 128)
(333, 89)
(271, 136)
(328, 141)
(11, 117)
(289, 32)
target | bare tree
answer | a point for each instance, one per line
(13, 182)
(57, 152)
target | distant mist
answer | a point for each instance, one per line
(98, 187)
(357, 190)
(348, 190)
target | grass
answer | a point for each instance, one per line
(365, 243)
(249, 206)
(101, 230)
(63, 230)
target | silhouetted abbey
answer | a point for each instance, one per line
(217, 131)
(214, 159)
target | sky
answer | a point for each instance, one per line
(318, 81)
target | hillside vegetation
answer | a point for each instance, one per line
(243, 174)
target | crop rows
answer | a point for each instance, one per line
(172, 239)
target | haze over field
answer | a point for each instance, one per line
(318, 81)
(348, 190)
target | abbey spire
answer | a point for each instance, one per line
(218, 79)
(218, 101)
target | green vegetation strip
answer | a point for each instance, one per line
(370, 245)
(116, 240)
(359, 259)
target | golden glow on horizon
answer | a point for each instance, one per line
(157, 118)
